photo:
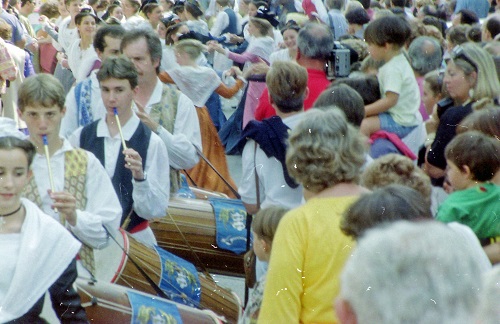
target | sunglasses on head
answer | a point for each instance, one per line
(458, 53)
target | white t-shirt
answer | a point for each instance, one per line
(397, 76)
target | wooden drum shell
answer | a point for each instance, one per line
(196, 219)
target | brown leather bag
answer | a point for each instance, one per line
(249, 264)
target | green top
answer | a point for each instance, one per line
(477, 207)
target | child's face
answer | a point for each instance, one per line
(74, 7)
(252, 10)
(43, 121)
(259, 247)
(117, 93)
(457, 177)
(376, 52)
(118, 13)
(429, 98)
(14, 175)
(155, 16)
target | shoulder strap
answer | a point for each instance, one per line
(257, 188)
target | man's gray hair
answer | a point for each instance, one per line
(425, 55)
(412, 272)
(315, 41)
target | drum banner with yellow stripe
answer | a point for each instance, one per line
(230, 224)
(149, 310)
(179, 279)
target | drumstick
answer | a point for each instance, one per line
(119, 128)
(51, 178)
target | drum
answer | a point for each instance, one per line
(109, 303)
(205, 193)
(113, 265)
(196, 220)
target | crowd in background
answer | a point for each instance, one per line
(369, 131)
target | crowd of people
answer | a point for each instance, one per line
(369, 134)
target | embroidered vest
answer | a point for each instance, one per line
(75, 176)
(164, 113)
(122, 178)
(83, 98)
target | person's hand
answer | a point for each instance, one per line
(65, 204)
(60, 56)
(214, 46)
(235, 39)
(133, 162)
(235, 71)
(33, 47)
(257, 68)
(145, 118)
(211, 46)
(44, 20)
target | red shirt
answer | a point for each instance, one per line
(316, 82)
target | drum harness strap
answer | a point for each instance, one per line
(151, 282)
(200, 153)
(104, 303)
(202, 266)
(143, 273)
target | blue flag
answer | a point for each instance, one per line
(148, 310)
(230, 223)
(179, 279)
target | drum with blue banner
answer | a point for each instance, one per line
(109, 303)
(215, 230)
(176, 277)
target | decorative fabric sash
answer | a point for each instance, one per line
(197, 83)
(75, 175)
(179, 279)
(164, 113)
(271, 135)
(45, 252)
(230, 224)
(83, 96)
(146, 309)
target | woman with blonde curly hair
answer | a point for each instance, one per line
(325, 155)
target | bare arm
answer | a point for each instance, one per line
(381, 105)
(493, 252)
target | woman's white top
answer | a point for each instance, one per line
(281, 55)
(67, 36)
(81, 61)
